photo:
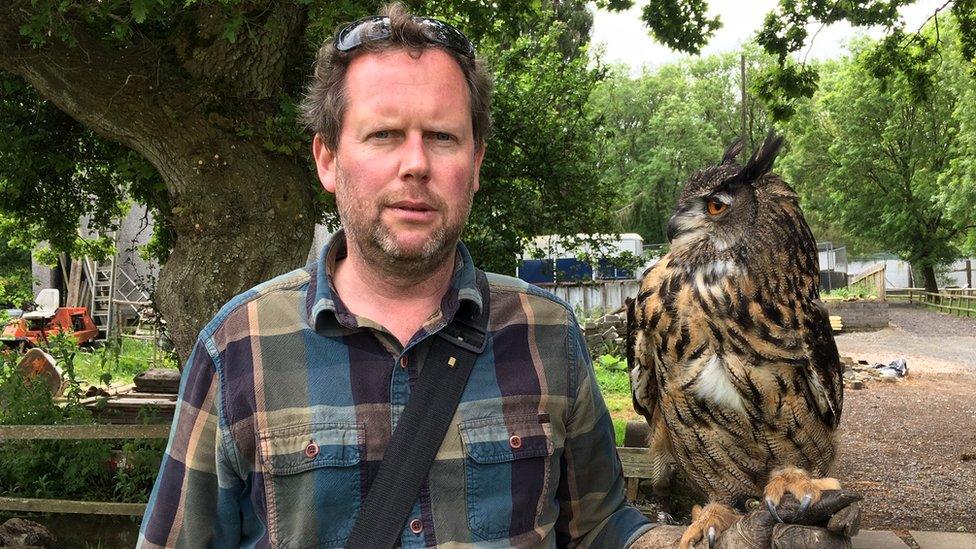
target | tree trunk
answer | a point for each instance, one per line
(931, 285)
(241, 213)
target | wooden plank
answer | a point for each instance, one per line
(82, 432)
(35, 505)
(158, 380)
(636, 462)
(165, 397)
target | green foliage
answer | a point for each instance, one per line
(15, 277)
(54, 172)
(680, 24)
(665, 124)
(66, 469)
(540, 174)
(611, 375)
(908, 54)
(889, 167)
(851, 293)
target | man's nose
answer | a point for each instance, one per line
(414, 160)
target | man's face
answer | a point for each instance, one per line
(406, 167)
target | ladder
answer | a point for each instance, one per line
(103, 294)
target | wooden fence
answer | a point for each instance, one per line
(959, 302)
(595, 297)
(871, 280)
(77, 432)
(635, 462)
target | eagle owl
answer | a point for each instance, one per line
(732, 360)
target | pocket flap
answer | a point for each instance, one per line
(501, 439)
(294, 449)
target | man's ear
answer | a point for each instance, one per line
(479, 156)
(325, 162)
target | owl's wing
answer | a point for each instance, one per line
(640, 364)
(825, 364)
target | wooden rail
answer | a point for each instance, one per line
(34, 505)
(77, 432)
(961, 302)
(82, 432)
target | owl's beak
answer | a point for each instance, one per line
(672, 227)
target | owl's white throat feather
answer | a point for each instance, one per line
(715, 385)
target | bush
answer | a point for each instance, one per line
(66, 469)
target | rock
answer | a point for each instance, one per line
(857, 384)
(18, 532)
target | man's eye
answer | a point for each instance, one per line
(441, 136)
(382, 134)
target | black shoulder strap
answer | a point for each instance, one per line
(421, 429)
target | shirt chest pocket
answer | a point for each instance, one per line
(508, 469)
(312, 482)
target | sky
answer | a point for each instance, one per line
(626, 40)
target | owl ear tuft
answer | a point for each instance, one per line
(762, 160)
(733, 151)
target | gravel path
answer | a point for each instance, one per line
(910, 447)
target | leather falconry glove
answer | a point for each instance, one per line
(827, 524)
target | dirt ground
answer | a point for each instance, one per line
(910, 447)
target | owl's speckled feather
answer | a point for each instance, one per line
(733, 362)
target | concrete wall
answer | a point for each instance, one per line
(863, 315)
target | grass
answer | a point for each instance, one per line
(850, 292)
(612, 377)
(118, 361)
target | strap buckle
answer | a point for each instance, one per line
(465, 334)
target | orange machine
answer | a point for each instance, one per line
(49, 319)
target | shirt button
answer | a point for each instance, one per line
(515, 442)
(416, 526)
(403, 362)
(311, 449)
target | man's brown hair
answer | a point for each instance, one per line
(325, 102)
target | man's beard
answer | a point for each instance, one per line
(378, 243)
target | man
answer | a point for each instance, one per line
(293, 392)
(290, 397)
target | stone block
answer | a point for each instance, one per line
(877, 539)
(944, 540)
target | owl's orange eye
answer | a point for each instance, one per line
(716, 207)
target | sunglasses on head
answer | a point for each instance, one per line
(374, 28)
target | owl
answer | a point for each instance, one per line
(732, 359)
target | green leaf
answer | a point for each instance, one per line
(140, 9)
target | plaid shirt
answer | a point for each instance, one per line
(288, 401)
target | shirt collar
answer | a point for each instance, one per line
(326, 302)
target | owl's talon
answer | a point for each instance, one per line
(711, 537)
(805, 503)
(771, 507)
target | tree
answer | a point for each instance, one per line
(685, 26)
(663, 125)
(189, 107)
(889, 167)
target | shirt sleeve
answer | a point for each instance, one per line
(194, 502)
(593, 511)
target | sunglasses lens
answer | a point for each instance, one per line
(359, 32)
(378, 28)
